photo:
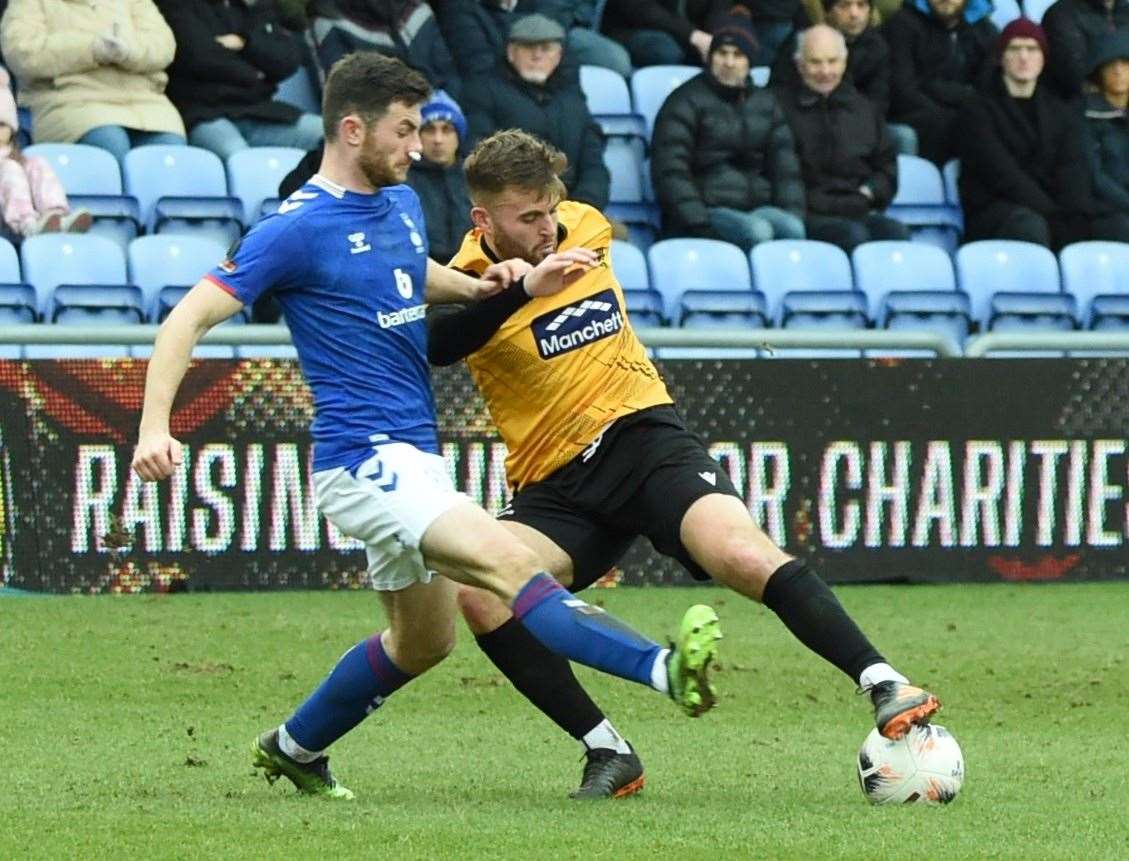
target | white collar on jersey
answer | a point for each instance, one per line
(329, 185)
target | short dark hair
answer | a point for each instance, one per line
(514, 159)
(828, 5)
(367, 83)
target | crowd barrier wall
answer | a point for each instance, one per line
(877, 471)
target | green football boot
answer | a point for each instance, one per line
(310, 778)
(689, 660)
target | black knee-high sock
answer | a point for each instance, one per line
(812, 612)
(543, 678)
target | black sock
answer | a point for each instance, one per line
(543, 678)
(812, 612)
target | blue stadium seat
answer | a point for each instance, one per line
(92, 180)
(911, 286)
(183, 189)
(678, 265)
(9, 263)
(1096, 274)
(253, 175)
(17, 305)
(722, 309)
(629, 266)
(166, 300)
(760, 75)
(1004, 12)
(96, 305)
(1013, 285)
(626, 173)
(788, 266)
(300, 91)
(52, 259)
(645, 307)
(951, 176)
(920, 203)
(163, 260)
(652, 84)
(1035, 9)
(609, 102)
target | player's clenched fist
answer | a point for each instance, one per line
(157, 456)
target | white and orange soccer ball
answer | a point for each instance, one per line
(924, 767)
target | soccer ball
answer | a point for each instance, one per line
(924, 767)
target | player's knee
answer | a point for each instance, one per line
(482, 610)
(509, 567)
(746, 566)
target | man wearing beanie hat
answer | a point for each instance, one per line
(1074, 28)
(1024, 170)
(1107, 119)
(939, 52)
(535, 87)
(438, 176)
(724, 165)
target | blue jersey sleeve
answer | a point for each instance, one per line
(268, 258)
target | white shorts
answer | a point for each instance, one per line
(387, 503)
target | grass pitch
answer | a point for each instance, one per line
(125, 723)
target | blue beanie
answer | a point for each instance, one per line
(443, 107)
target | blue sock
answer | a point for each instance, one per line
(363, 678)
(580, 632)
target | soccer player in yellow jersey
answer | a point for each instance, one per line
(598, 456)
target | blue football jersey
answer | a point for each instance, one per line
(348, 270)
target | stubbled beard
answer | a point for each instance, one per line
(507, 250)
(377, 171)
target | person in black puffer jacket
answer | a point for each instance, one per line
(1024, 172)
(724, 163)
(1073, 29)
(230, 57)
(849, 165)
(1107, 120)
(939, 52)
(538, 90)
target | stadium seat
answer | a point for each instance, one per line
(163, 260)
(92, 180)
(1013, 284)
(911, 286)
(652, 84)
(96, 305)
(9, 263)
(645, 307)
(52, 259)
(950, 174)
(788, 266)
(920, 203)
(629, 266)
(17, 305)
(183, 189)
(626, 173)
(1096, 274)
(1004, 12)
(722, 309)
(1035, 9)
(678, 265)
(253, 175)
(760, 75)
(300, 91)
(609, 102)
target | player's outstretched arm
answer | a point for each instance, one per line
(450, 285)
(158, 454)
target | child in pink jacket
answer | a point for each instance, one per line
(32, 199)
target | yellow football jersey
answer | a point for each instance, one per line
(562, 367)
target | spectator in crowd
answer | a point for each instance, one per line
(1024, 172)
(438, 177)
(939, 52)
(32, 199)
(230, 57)
(849, 166)
(1107, 120)
(93, 72)
(476, 30)
(724, 164)
(1073, 29)
(664, 32)
(868, 64)
(406, 29)
(535, 91)
(583, 42)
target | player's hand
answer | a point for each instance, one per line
(157, 456)
(499, 276)
(560, 270)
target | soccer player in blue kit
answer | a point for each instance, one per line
(346, 257)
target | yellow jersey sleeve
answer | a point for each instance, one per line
(562, 367)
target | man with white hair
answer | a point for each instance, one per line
(846, 157)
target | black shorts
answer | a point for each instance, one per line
(638, 478)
